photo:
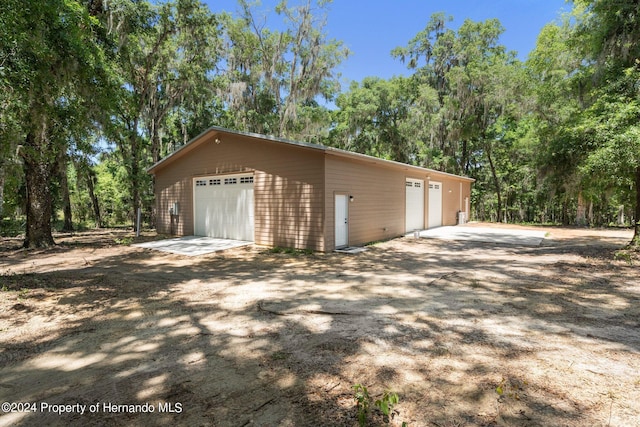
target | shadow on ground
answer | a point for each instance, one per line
(467, 333)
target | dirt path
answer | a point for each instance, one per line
(468, 334)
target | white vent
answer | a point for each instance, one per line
(201, 182)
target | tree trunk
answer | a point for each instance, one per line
(134, 168)
(37, 173)
(156, 141)
(464, 169)
(581, 212)
(64, 188)
(2, 181)
(496, 183)
(86, 174)
(635, 241)
(90, 178)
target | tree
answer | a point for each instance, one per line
(164, 51)
(560, 82)
(432, 54)
(373, 119)
(612, 30)
(53, 57)
(476, 81)
(610, 127)
(274, 76)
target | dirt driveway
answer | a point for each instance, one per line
(95, 332)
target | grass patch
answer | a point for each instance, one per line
(12, 227)
(289, 251)
(279, 355)
(629, 254)
(125, 241)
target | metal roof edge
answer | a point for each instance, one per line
(367, 157)
(326, 149)
(175, 152)
(236, 132)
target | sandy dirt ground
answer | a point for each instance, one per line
(467, 334)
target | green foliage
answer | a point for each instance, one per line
(274, 76)
(290, 251)
(279, 355)
(364, 402)
(12, 227)
(109, 88)
(624, 255)
(373, 119)
(124, 241)
(110, 189)
(386, 403)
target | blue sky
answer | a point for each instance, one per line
(372, 28)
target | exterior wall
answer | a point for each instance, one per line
(378, 208)
(377, 211)
(295, 188)
(453, 193)
(288, 187)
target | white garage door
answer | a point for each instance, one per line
(435, 204)
(414, 204)
(223, 206)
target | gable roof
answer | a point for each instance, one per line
(196, 141)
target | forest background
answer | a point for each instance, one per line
(93, 92)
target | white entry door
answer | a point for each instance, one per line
(435, 204)
(223, 206)
(342, 220)
(414, 205)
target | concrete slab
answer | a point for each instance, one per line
(507, 236)
(193, 245)
(351, 250)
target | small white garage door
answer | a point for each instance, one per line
(414, 204)
(223, 206)
(435, 204)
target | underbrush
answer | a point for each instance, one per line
(289, 251)
(629, 254)
(12, 227)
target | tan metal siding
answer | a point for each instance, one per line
(288, 187)
(294, 190)
(377, 210)
(452, 197)
(172, 186)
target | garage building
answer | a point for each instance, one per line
(276, 192)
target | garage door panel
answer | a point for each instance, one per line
(414, 204)
(435, 204)
(224, 207)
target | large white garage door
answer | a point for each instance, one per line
(414, 204)
(435, 204)
(223, 206)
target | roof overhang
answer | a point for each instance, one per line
(330, 151)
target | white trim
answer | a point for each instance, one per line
(325, 149)
(231, 228)
(435, 213)
(414, 204)
(345, 236)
